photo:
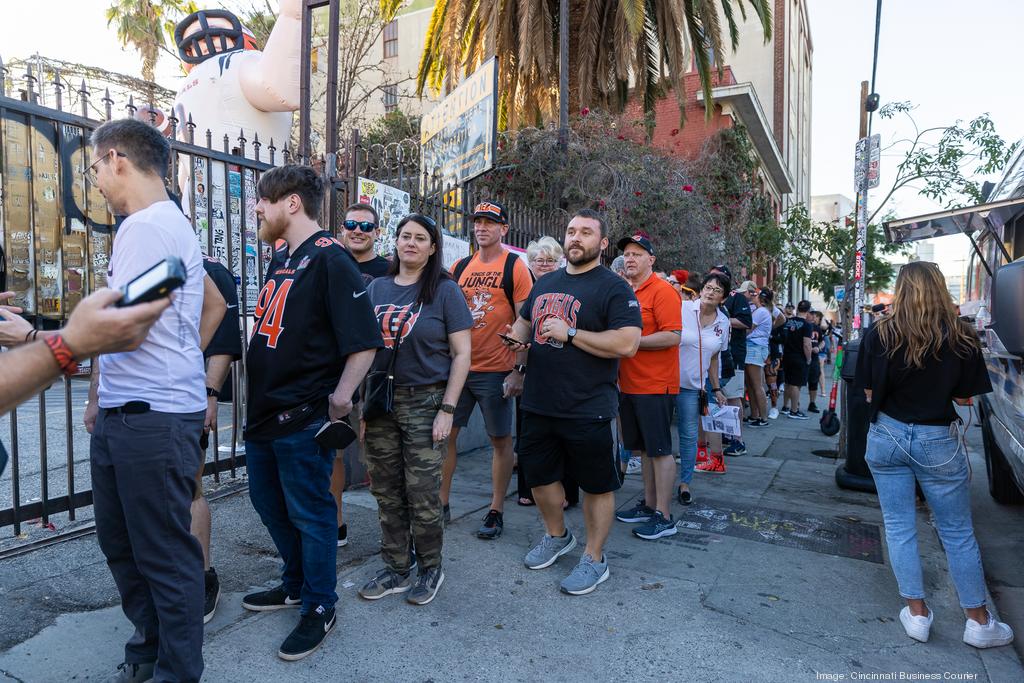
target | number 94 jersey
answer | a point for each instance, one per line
(312, 312)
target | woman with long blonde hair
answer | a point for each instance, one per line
(914, 364)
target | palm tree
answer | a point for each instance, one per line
(618, 48)
(146, 26)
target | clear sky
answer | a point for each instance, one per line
(953, 59)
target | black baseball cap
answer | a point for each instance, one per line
(722, 269)
(644, 242)
(492, 211)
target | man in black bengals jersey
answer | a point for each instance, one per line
(314, 337)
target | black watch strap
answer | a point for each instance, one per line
(212, 392)
(448, 408)
(520, 368)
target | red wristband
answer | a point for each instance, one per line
(62, 354)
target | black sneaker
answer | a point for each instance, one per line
(308, 635)
(684, 497)
(212, 594)
(343, 535)
(492, 526)
(133, 673)
(426, 586)
(446, 515)
(796, 415)
(267, 601)
(811, 408)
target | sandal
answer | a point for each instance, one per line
(525, 502)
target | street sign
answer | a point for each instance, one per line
(840, 293)
(874, 159)
(458, 137)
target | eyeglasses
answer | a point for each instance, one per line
(713, 290)
(90, 171)
(544, 261)
(365, 226)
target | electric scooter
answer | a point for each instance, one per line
(829, 422)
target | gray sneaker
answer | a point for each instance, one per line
(549, 549)
(427, 585)
(385, 583)
(586, 576)
(133, 673)
(638, 514)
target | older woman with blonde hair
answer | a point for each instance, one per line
(914, 364)
(544, 256)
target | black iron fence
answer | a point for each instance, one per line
(56, 231)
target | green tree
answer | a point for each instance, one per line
(822, 253)
(147, 26)
(259, 16)
(616, 47)
(944, 163)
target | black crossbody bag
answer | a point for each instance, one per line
(379, 385)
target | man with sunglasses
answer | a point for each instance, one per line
(360, 233)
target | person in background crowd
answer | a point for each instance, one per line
(544, 256)
(648, 385)
(155, 395)
(757, 355)
(704, 338)
(360, 232)
(796, 358)
(628, 463)
(740, 320)
(495, 283)
(913, 365)
(223, 349)
(619, 266)
(577, 322)
(423, 317)
(789, 310)
(814, 372)
(314, 338)
(773, 376)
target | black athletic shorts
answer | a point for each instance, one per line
(552, 447)
(814, 374)
(647, 422)
(795, 368)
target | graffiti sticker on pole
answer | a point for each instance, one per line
(391, 204)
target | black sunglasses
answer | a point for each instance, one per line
(365, 226)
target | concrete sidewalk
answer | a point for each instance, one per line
(775, 575)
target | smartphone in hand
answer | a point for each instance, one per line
(156, 283)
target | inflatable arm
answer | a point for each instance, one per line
(271, 83)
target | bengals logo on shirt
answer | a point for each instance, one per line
(553, 305)
(389, 316)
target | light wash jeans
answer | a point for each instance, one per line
(687, 406)
(897, 453)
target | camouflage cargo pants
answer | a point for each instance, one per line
(405, 477)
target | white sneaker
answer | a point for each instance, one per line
(634, 466)
(992, 634)
(773, 414)
(917, 627)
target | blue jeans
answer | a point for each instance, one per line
(897, 453)
(687, 414)
(289, 484)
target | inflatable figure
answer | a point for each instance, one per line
(231, 85)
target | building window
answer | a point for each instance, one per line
(391, 39)
(390, 98)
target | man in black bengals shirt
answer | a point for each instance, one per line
(578, 322)
(314, 337)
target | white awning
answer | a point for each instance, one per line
(964, 221)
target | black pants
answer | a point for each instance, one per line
(143, 477)
(572, 489)
(813, 376)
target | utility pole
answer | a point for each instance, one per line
(863, 153)
(563, 74)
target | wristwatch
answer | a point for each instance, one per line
(448, 408)
(210, 391)
(520, 368)
(570, 334)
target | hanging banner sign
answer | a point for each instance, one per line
(458, 137)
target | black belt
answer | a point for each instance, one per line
(129, 408)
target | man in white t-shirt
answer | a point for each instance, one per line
(146, 412)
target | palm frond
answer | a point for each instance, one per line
(634, 12)
(586, 51)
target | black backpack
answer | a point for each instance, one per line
(507, 275)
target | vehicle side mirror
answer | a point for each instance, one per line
(1007, 316)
